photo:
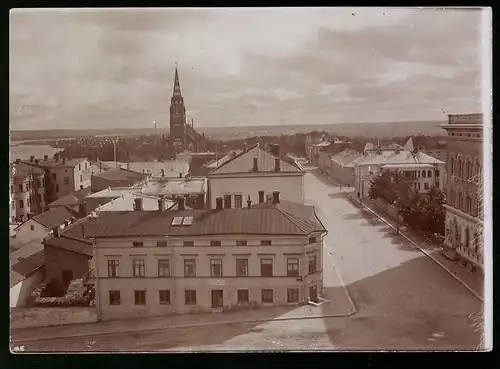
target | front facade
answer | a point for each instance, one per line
(464, 170)
(184, 271)
(27, 192)
(254, 175)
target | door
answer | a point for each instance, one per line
(217, 300)
(313, 293)
(67, 276)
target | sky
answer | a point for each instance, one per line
(76, 69)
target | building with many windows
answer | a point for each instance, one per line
(27, 191)
(187, 261)
(464, 170)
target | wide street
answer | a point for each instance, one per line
(403, 300)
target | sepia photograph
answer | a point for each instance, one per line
(250, 179)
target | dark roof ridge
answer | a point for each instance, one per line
(238, 155)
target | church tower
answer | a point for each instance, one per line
(177, 137)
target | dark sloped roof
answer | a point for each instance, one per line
(54, 217)
(71, 199)
(25, 261)
(72, 239)
(280, 219)
(21, 169)
(119, 174)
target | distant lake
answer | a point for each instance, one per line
(25, 151)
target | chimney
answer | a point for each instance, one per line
(161, 205)
(32, 158)
(18, 161)
(255, 165)
(36, 161)
(181, 203)
(180, 175)
(276, 197)
(138, 204)
(218, 202)
(45, 158)
(261, 197)
(249, 202)
(55, 231)
(29, 215)
(277, 164)
(81, 187)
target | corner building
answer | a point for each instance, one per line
(151, 263)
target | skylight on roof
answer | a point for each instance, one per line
(177, 220)
(187, 221)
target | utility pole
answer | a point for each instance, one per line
(114, 152)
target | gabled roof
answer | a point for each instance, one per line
(395, 157)
(25, 262)
(175, 186)
(72, 199)
(54, 217)
(21, 170)
(243, 163)
(281, 219)
(72, 239)
(127, 201)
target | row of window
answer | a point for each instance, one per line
(163, 243)
(423, 173)
(190, 298)
(463, 169)
(28, 186)
(463, 203)
(216, 267)
(29, 201)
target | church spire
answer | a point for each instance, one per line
(177, 85)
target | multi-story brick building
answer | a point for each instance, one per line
(464, 169)
(185, 261)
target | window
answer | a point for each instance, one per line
(39, 183)
(312, 239)
(86, 165)
(187, 221)
(81, 178)
(238, 201)
(266, 267)
(426, 186)
(54, 177)
(189, 268)
(243, 296)
(140, 297)
(32, 227)
(267, 296)
(241, 243)
(188, 243)
(429, 173)
(312, 263)
(177, 220)
(266, 242)
(190, 297)
(113, 268)
(407, 174)
(161, 243)
(227, 201)
(57, 188)
(242, 267)
(216, 268)
(163, 268)
(114, 297)
(436, 173)
(292, 267)
(21, 204)
(11, 189)
(215, 243)
(292, 295)
(13, 205)
(418, 185)
(139, 268)
(79, 167)
(20, 188)
(66, 180)
(423, 174)
(164, 296)
(137, 244)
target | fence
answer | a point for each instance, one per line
(44, 317)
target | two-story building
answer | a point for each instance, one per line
(424, 170)
(255, 174)
(187, 261)
(464, 171)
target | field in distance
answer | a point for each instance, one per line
(367, 130)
